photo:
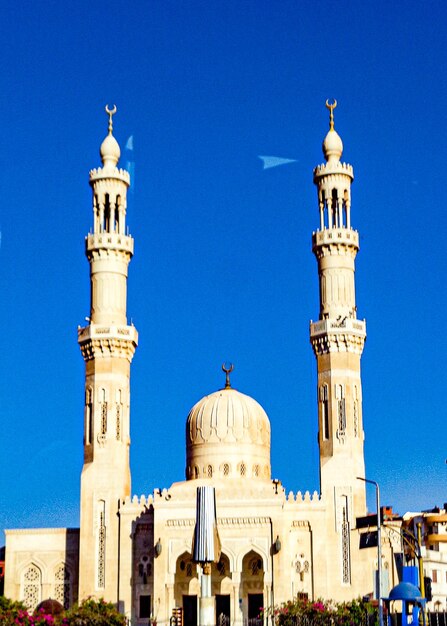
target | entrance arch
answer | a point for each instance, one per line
(221, 585)
(252, 585)
(186, 588)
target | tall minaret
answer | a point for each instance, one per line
(338, 338)
(107, 344)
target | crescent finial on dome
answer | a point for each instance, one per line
(227, 371)
(331, 107)
(110, 113)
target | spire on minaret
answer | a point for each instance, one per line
(110, 151)
(109, 184)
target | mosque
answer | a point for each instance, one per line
(136, 552)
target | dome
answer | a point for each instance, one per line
(227, 436)
(110, 151)
(332, 146)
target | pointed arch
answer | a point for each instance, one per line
(31, 585)
(63, 585)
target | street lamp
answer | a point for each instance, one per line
(379, 547)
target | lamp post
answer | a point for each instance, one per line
(379, 547)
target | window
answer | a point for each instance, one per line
(341, 412)
(356, 412)
(144, 569)
(31, 587)
(324, 411)
(88, 416)
(101, 573)
(62, 586)
(345, 546)
(103, 413)
(119, 411)
(145, 606)
(434, 576)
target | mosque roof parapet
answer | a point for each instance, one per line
(306, 498)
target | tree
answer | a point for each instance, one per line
(13, 613)
(93, 613)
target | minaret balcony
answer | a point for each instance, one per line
(344, 326)
(109, 241)
(105, 331)
(329, 236)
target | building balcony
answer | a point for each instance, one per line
(331, 326)
(328, 236)
(104, 331)
(109, 241)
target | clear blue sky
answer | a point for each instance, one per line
(223, 268)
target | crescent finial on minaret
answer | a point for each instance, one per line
(331, 107)
(227, 371)
(110, 113)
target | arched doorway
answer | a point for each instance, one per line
(221, 589)
(186, 588)
(252, 584)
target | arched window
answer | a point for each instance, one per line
(103, 412)
(345, 544)
(119, 413)
(88, 415)
(324, 403)
(62, 586)
(144, 569)
(101, 577)
(341, 404)
(31, 587)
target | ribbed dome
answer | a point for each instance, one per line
(227, 435)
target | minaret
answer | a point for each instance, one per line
(107, 344)
(338, 338)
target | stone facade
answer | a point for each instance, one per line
(137, 551)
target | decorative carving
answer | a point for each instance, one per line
(107, 347)
(101, 439)
(118, 422)
(103, 418)
(334, 342)
(341, 431)
(256, 566)
(101, 551)
(31, 587)
(301, 565)
(62, 589)
(346, 557)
